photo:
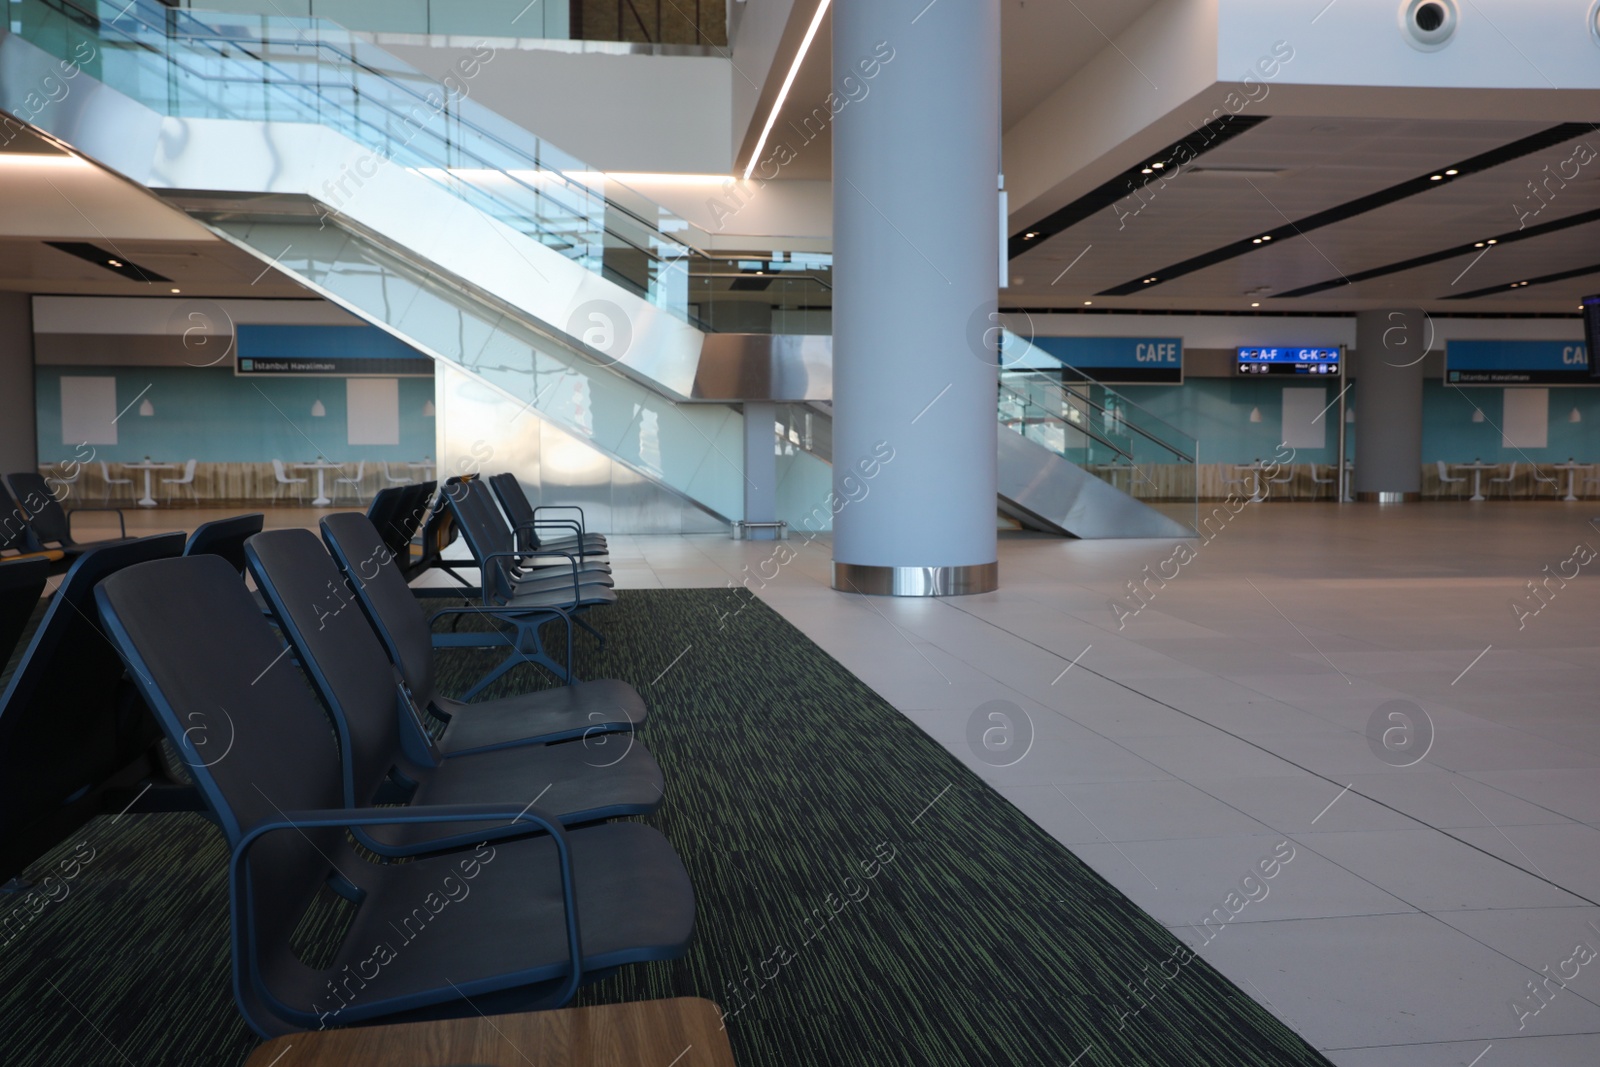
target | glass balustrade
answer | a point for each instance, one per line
(271, 68)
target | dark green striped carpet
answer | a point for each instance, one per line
(863, 898)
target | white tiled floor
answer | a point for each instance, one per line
(1227, 717)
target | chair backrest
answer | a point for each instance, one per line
(67, 721)
(278, 471)
(439, 532)
(105, 475)
(361, 470)
(485, 531)
(188, 470)
(16, 535)
(45, 515)
(398, 513)
(385, 510)
(518, 510)
(225, 538)
(1444, 475)
(253, 737)
(322, 618)
(1511, 472)
(370, 568)
(22, 582)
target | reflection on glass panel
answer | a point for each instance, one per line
(378, 16)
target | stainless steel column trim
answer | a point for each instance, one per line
(916, 581)
(1388, 498)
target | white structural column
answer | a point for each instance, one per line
(1390, 346)
(916, 149)
(760, 469)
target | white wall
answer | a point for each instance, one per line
(1498, 44)
(613, 112)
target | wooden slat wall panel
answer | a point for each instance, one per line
(220, 483)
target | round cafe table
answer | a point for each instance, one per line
(426, 467)
(1255, 470)
(1572, 470)
(320, 466)
(1477, 470)
(148, 500)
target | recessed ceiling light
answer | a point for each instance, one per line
(1256, 241)
(1256, 305)
(1478, 245)
(177, 290)
(113, 263)
(1158, 166)
(1493, 241)
(1452, 173)
(1266, 237)
(1437, 178)
(1088, 303)
(1147, 170)
(1030, 235)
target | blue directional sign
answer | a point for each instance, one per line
(313, 351)
(1516, 363)
(1119, 360)
(1310, 361)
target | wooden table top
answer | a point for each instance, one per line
(679, 1032)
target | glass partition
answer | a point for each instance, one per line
(1099, 429)
(274, 68)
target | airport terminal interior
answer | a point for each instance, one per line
(692, 533)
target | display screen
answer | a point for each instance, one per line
(283, 350)
(1287, 361)
(1516, 363)
(1591, 331)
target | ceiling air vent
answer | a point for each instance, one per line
(1429, 25)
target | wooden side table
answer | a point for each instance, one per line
(680, 1032)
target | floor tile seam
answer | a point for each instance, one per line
(1585, 901)
(1291, 762)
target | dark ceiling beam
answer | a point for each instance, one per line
(1434, 179)
(1162, 166)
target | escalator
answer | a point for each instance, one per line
(574, 302)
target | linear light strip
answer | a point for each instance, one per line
(788, 82)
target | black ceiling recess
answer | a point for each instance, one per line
(1509, 287)
(1478, 247)
(109, 260)
(1171, 158)
(1434, 179)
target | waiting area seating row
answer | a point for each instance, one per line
(162, 637)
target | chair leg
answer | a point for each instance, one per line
(578, 620)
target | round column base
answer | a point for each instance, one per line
(916, 581)
(1388, 498)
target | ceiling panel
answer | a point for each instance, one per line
(1291, 167)
(1044, 42)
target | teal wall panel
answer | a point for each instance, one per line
(214, 417)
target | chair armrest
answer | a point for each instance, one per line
(484, 564)
(582, 522)
(531, 528)
(511, 616)
(122, 522)
(435, 813)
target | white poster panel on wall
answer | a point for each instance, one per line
(88, 410)
(374, 407)
(1304, 423)
(1526, 422)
